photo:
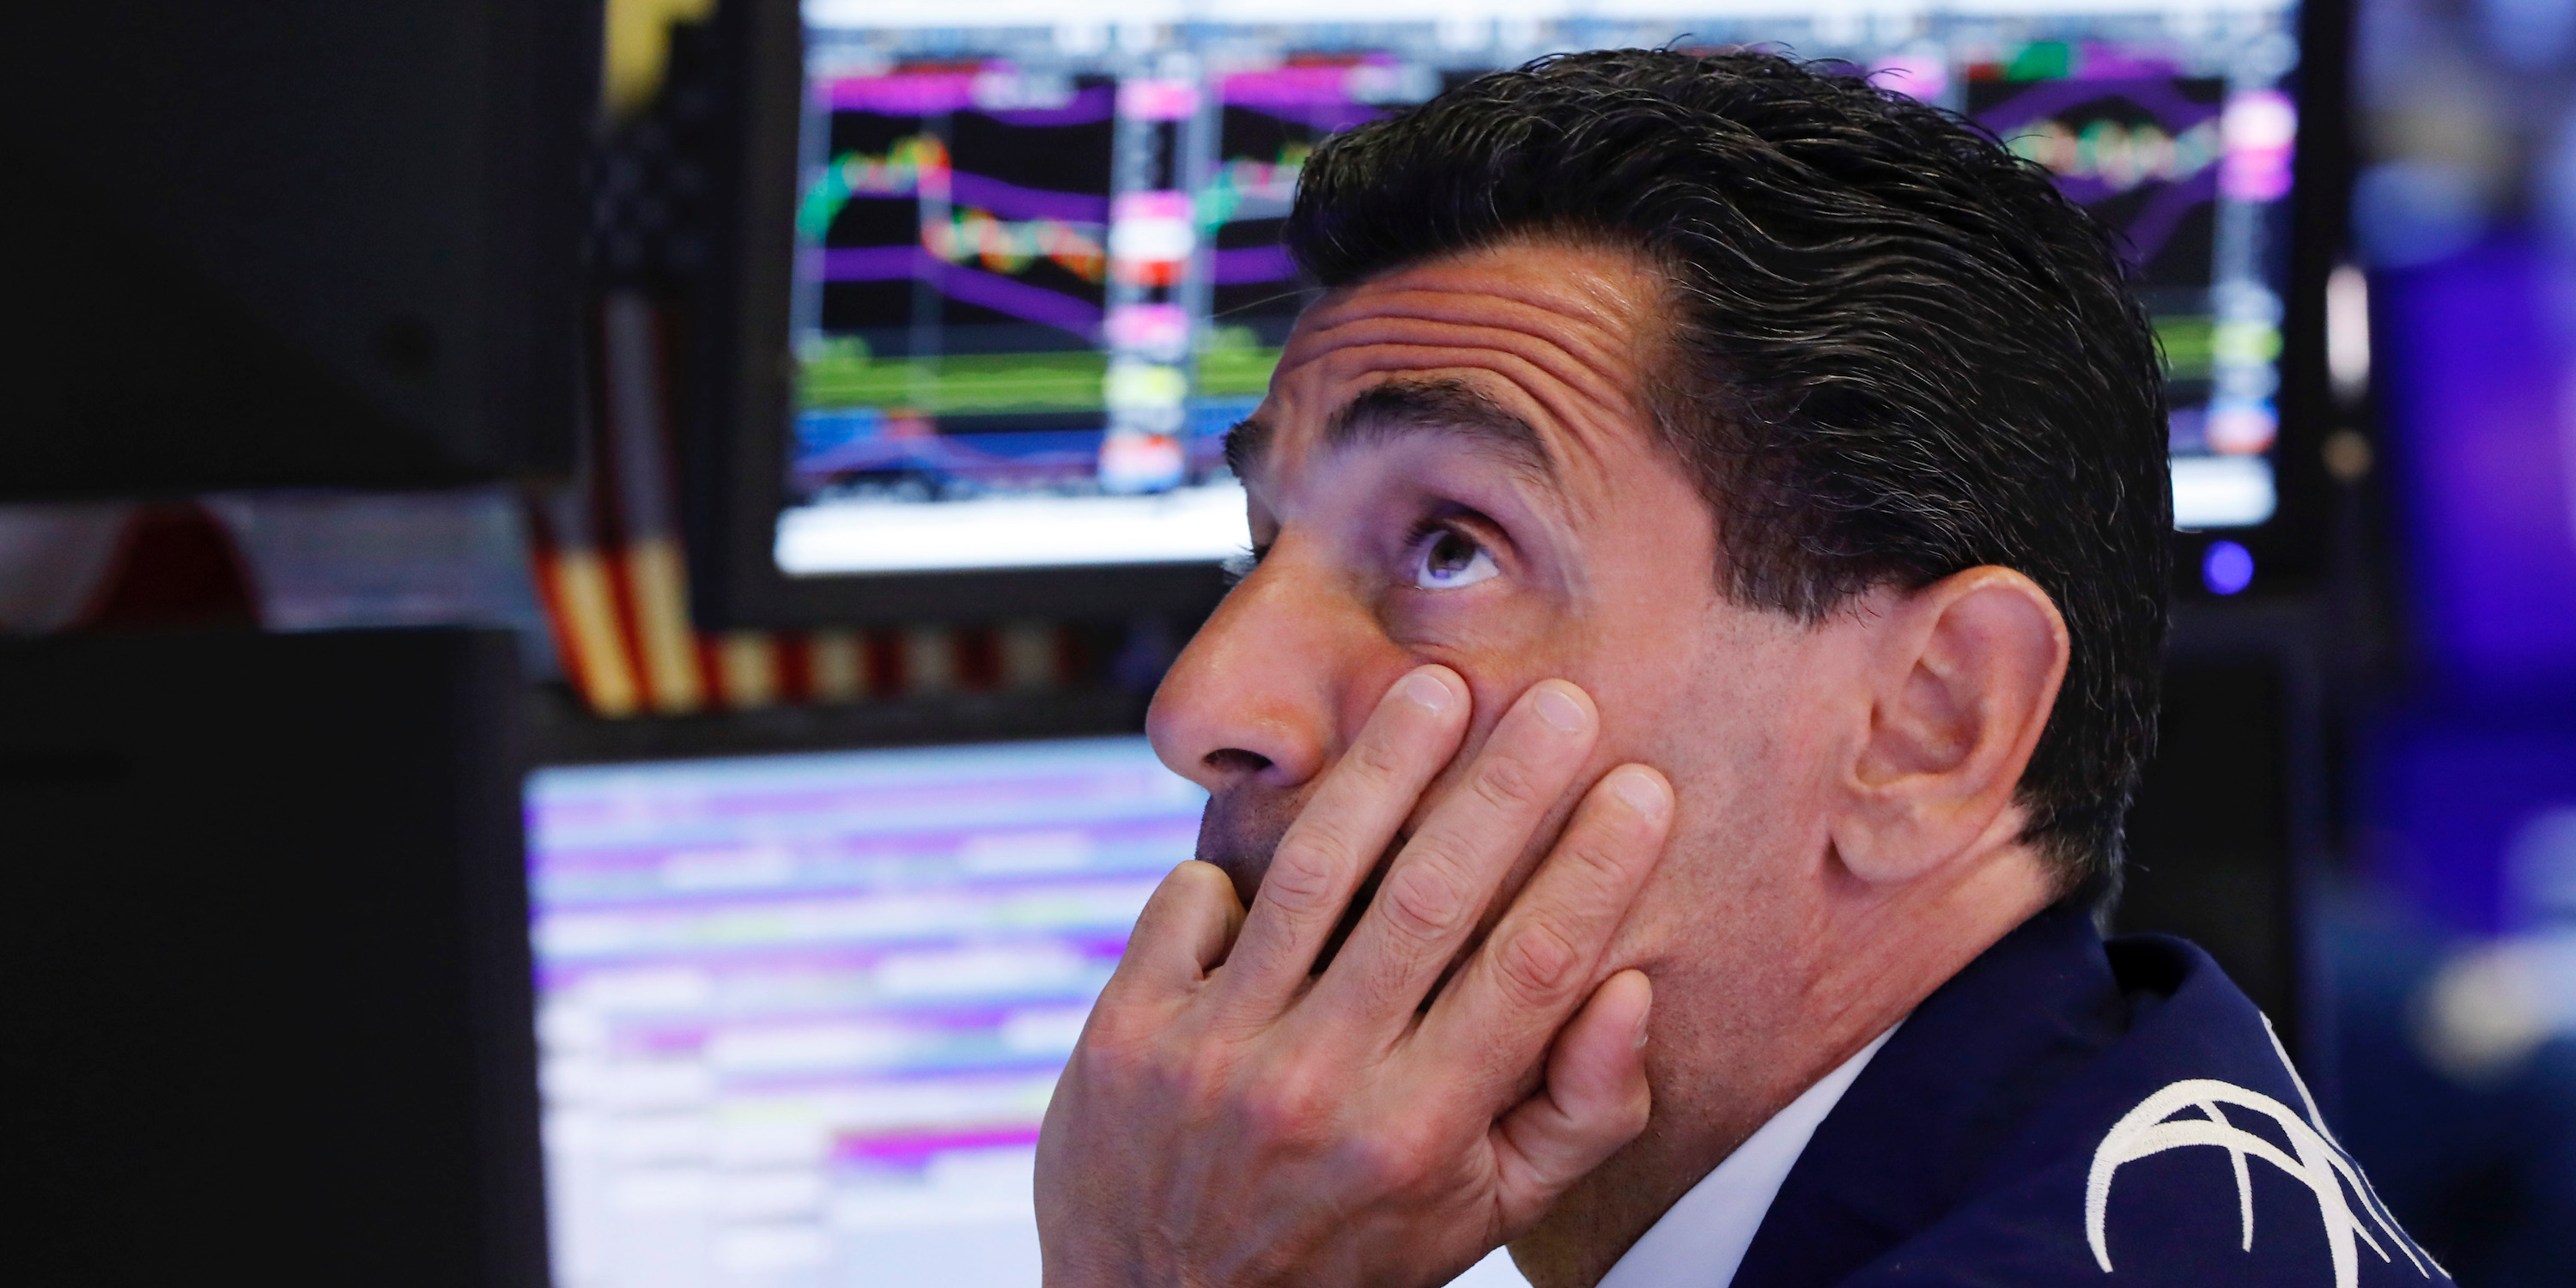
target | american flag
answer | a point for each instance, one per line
(610, 567)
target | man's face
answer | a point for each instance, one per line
(1456, 464)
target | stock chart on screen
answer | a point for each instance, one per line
(1040, 274)
(799, 1015)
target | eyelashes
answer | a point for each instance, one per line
(1443, 555)
(1239, 565)
(1439, 552)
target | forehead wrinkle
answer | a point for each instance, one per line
(1377, 342)
(1479, 306)
(1523, 377)
(1584, 348)
(1609, 309)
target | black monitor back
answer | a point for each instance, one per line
(301, 242)
(264, 968)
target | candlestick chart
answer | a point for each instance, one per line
(1269, 122)
(2141, 153)
(959, 250)
(2151, 156)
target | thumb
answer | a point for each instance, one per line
(1594, 1101)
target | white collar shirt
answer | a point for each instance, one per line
(1702, 1238)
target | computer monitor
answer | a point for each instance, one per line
(800, 1015)
(1030, 271)
(309, 243)
(264, 961)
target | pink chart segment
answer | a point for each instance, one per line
(959, 282)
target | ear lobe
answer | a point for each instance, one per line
(1964, 675)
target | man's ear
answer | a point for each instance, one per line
(1962, 676)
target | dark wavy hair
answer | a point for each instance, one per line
(1899, 351)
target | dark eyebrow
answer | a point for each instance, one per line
(1400, 407)
(1246, 444)
(1406, 407)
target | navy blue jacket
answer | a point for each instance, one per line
(2070, 1112)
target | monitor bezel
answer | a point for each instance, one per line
(740, 371)
(2294, 550)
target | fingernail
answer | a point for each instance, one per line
(1430, 693)
(1639, 1042)
(1644, 792)
(1560, 711)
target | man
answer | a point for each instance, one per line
(1703, 637)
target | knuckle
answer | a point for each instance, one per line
(1423, 897)
(1380, 761)
(1508, 782)
(1286, 1107)
(1110, 1033)
(1594, 865)
(1188, 1079)
(1302, 874)
(1536, 962)
(1117, 1063)
(1386, 1162)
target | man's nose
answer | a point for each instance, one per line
(1261, 693)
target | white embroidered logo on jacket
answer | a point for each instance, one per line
(2320, 1164)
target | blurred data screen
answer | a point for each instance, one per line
(1039, 271)
(799, 1016)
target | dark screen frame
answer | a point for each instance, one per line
(2294, 551)
(740, 371)
(739, 382)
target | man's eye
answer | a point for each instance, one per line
(1446, 559)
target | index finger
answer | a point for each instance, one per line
(1543, 957)
(1339, 837)
(1438, 888)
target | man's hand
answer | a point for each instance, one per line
(1232, 1118)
